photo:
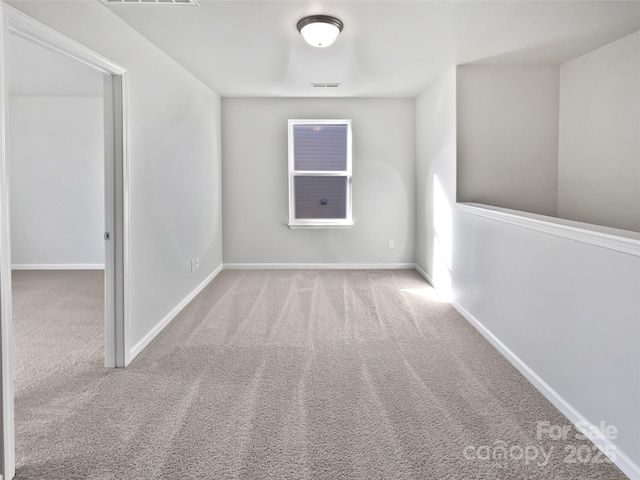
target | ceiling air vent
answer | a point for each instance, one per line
(325, 85)
(153, 2)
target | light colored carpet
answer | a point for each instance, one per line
(277, 375)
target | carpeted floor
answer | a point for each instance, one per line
(279, 375)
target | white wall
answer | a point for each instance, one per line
(255, 195)
(35, 71)
(56, 162)
(175, 212)
(599, 156)
(508, 136)
(567, 309)
(436, 177)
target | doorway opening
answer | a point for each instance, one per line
(55, 152)
(111, 107)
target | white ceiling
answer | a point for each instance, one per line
(33, 70)
(387, 48)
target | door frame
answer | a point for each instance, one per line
(117, 314)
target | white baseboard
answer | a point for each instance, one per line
(318, 266)
(423, 273)
(148, 338)
(57, 266)
(621, 460)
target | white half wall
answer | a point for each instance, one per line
(508, 136)
(56, 162)
(255, 179)
(599, 155)
(565, 312)
(568, 309)
(174, 177)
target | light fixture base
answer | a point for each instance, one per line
(320, 30)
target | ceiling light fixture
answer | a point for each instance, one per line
(320, 30)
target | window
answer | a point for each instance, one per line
(320, 174)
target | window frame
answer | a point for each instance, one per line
(319, 223)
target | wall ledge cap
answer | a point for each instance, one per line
(611, 238)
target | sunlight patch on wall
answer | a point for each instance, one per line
(442, 240)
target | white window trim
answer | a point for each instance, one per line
(319, 223)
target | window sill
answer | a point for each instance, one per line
(320, 226)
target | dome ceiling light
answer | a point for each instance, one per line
(320, 30)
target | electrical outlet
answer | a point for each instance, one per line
(193, 265)
(197, 263)
(392, 244)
